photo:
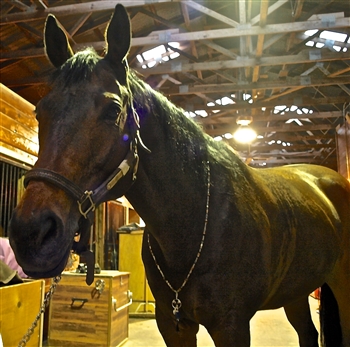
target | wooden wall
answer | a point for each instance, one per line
(18, 128)
(343, 150)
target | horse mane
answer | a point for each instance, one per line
(78, 68)
(186, 137)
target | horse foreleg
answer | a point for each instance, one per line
(182, 334)
(298, 314)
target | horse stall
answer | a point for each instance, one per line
(18, 150)
(19, 303)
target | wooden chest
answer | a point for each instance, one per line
(19, 305)
(96, 315)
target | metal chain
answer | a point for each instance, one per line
(47, 299)
(176, 303)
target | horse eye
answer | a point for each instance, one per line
(112, 113)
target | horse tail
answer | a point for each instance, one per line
(331, 333)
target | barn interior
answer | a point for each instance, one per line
(278, 67)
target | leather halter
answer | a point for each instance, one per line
(88, 200)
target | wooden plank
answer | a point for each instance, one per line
(161, 38)
(17, 154)
(18, 141)
(278, 129)
(277, 117)
(271, 9)
(343, 153)
(211, 13)
(11, 98)
(271, 84)
(119, 320)
(240, 31)
(19, 305)
(301, 58)
(297, 101)
(14, 121)
(66, 10)
(18, 127)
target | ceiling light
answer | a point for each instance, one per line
(244, 134)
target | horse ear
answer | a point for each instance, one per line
(57, 46)
(118, 35)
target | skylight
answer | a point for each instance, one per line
(331, 36)
(157, 55)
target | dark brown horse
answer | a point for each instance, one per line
(223, 240)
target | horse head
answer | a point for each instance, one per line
(85, 121)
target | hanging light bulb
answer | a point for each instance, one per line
(244, 133)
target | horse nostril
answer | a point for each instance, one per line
(48, 228)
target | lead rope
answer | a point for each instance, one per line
(47, 299)
(176, 303)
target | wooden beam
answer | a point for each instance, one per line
(263, 85)
(297, 101)
(66, 10)
(278, 162)
(219, 130)
(247, 31)
(270, 10)
(167, 36)
(295, 147)
(301, 58)
(211, 13)
(192, 43)
(278, 117)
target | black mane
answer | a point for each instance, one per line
(187, 139)
(78, 68)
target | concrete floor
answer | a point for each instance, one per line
(268, 329)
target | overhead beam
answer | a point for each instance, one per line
(245, 30)
(301, 58)
(271, 9)
(166, 36)
(290, 149)
(277, 162)
(263, 85)
(278, 117)
(66, 10)
(219, 130)
(211, 13)
(297, 101)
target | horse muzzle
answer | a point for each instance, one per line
(40, 238)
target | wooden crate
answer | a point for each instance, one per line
(79, 316)
(19, 305)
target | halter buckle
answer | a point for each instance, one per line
(86, 197)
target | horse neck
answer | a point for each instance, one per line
(169, 197)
